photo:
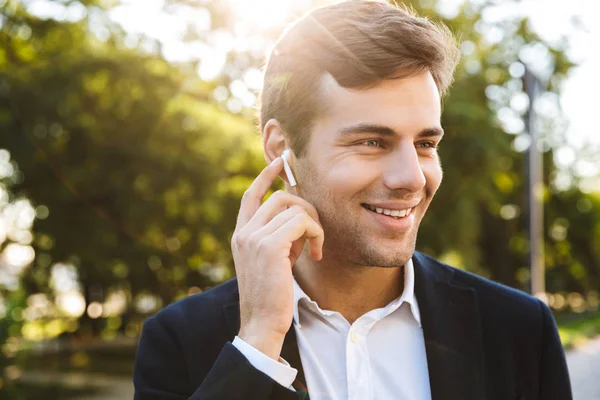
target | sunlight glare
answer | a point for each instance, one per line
(261, 14)
(18, 255)
(72, 303)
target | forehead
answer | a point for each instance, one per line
(406, 105)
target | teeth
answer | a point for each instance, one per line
(391, 213)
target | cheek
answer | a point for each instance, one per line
(350, 177)
(433, 173)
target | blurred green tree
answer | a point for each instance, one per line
(141, 173)
(12, 297)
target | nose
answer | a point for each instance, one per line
(403, 169)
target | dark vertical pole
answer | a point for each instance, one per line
(535, 190)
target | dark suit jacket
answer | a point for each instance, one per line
(483, 341)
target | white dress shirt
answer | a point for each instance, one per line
(380, 356)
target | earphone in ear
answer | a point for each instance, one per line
(286, 167)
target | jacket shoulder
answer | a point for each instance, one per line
(494, 299)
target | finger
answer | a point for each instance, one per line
(297, 227)
(252, 198)
(280, 219)
(315, 244)
(278, 203)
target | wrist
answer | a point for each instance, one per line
(268, 343)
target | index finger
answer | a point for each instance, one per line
(252, 198)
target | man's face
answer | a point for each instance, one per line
(374, 149)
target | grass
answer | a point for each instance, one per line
(575, 331)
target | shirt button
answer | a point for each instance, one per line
(353, 336)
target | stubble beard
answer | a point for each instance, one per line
(347, 239)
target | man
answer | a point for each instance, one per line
(331, 297)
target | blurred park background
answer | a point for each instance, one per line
(127, 137)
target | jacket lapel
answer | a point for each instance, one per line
(289, 351)
(452, 331)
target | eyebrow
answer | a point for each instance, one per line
(387, 131)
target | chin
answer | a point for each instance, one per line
(402, 251)
(395, 257)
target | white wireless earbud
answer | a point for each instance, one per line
(286, 167)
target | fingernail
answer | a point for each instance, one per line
(275, 161)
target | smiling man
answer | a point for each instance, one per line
(331, 300)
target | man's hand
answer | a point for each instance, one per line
(267, 241)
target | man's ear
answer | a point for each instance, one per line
(273, 139)
(274, 143)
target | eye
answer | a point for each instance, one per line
(372, 143)
(427, 145)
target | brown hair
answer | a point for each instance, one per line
(359, 43)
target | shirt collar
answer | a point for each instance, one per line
(408, 296)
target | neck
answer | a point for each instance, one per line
(352, 290)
